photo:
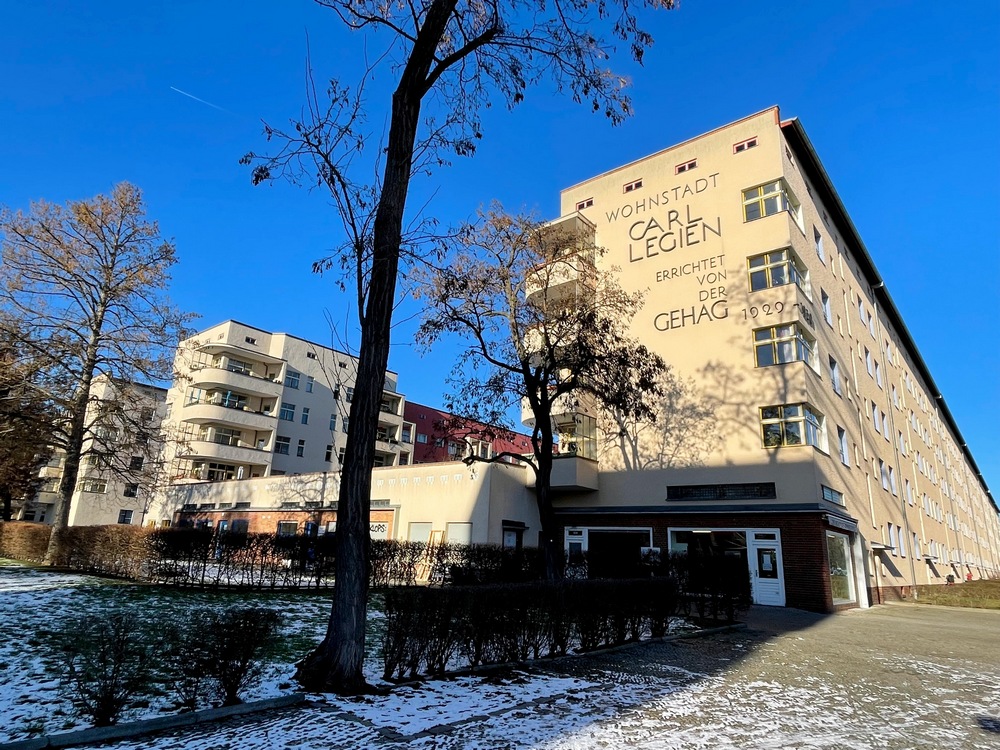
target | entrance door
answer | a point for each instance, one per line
(766, 572)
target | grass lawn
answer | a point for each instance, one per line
(982, 594)
(35, 602)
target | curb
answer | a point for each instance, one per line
(148, 726)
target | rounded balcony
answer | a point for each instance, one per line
(218, 377)
(232, 454)
(200, 412)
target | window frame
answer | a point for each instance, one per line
(776, 191)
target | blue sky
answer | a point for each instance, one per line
(901, 100)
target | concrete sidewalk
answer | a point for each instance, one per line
(895, 676)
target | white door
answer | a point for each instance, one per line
(766, 572)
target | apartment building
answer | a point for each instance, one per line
(829, 461)
(121, 461)
(249, 403)
(438, 436)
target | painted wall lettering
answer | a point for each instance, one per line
(691, 316)
(662, 198)
(676, 229)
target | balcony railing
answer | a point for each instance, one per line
(229, 404)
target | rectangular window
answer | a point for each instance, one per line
(94, 485)
(458, 533)
(135, 463)
(287, 528)
(404, 459)
(686, 166)
(333, 422)
(226, 436)
(305, 415)
(901, 440)
(124, 516)
(869, 363)
(791, 424)
(875, 420)
(292, 379)
(832, 496)
(310, 355)
(628, 187)
(421, 437)
(300, 450)
(407, 433)
(328, 456)
(893, 539)
(250, 340)
(779, 345)
(908, 491)
(344, 424)
(838, 553)
(777, 268)
(349, 395)
(585, 203)
(287, 412)
(845, 458)
(892, 482)
(239, 366)
(827, 311)
(131, 490)
(883, 471)
(281, 445)
(340, 455)
(818, 242)
(770, 199)
(835, 377)
(744, 145)
(310, 381)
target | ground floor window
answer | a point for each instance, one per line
(841, 574)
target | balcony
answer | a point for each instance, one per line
(564, 410)
(573, 473)
(210, 377)
(221, 452)
(216, 411)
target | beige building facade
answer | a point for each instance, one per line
(828, 459)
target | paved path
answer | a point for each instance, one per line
(896, 676)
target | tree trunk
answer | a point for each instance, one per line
(336, 664)
(551, 549)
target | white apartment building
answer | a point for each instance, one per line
(120, 467)
(249, 403)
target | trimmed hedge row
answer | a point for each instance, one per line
(434, 630)
(21, 540)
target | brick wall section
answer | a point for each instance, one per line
(803, 545)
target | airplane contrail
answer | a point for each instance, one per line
(192, 96)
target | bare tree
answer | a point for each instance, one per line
(546, 330)
(450, 60)
(83, 290)
(682, 434)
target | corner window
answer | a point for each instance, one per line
(777, 268)
(770, 199)
(790, 425)
(779, 345)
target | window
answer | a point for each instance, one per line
(878, 375)
(779, 345)
(300, 450)
(893, 488)
(585, 203)
(287, 412)
(305, 415)
(344, 424)
(901, 441)
(827, 312)
(769, 199)
(239, 366)
(777, 268)
(340, 454)
(292, 379)
(146, 414)
(818, 243)
(333, 422)
(835, 377)
(310, 380)
(287, 528)
(135, 463)
(328, 456)
(251, 340)
(93, 485)
(404, 459)
(281, 445)
(744, 145)
(131, 490)
(895, 397)
(869, 363)
(458, 533)
(224, 436)
(862, 312)
(686, 166)
(349, 395)
(791, 424)
(908, 491)
(407, 433)
(893, 539)
(421, 437)
(628, 187)
(883, 471)
(124, 516)
(838, 553)
(875, 420)
(842, 446)
(832, 496)
(310, 355)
